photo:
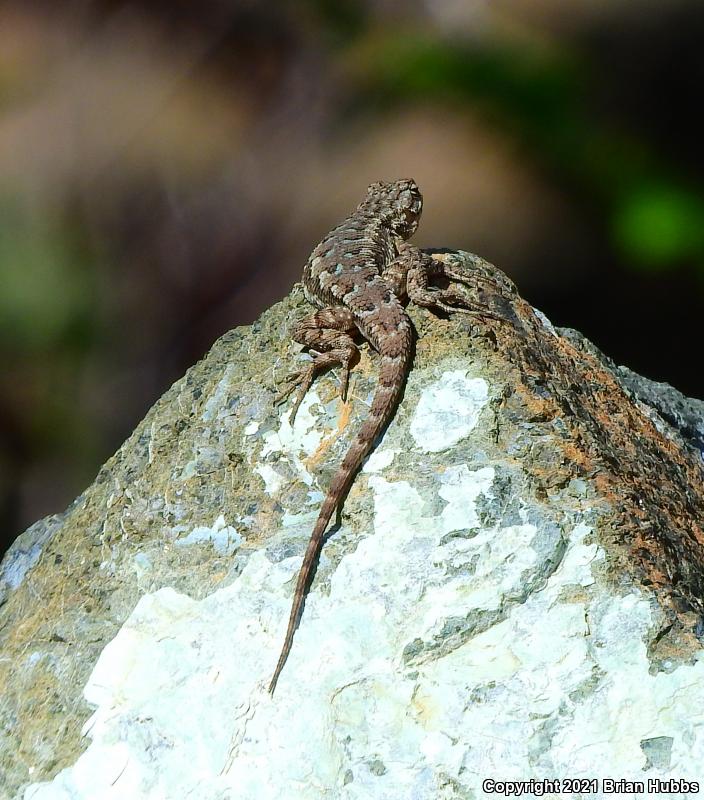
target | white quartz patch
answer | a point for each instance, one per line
(448, 410)
(294, 442)
(439, 653)
(273, 480)
(223, 537)
(379, 460)
(251, 428)
(216, 404)
(303, 435)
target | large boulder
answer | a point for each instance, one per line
(514, 590)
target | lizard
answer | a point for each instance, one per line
(360, 278)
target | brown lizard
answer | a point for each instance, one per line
(360, 277)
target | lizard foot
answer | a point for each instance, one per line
(303, 379)
(453, 303)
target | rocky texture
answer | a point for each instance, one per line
(514, 589)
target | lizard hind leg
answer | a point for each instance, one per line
(328, 333)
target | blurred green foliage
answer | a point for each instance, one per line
(46, 297)
(660, 224)
(540, 95)
(47, 324)
(342, 20)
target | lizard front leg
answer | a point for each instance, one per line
(328, 333)
(409, 275)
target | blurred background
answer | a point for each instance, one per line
(165, 169)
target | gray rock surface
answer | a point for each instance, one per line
(512, 592)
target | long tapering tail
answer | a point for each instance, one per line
(392, 379)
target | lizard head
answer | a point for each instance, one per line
(399, 204)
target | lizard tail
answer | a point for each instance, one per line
(392, 379)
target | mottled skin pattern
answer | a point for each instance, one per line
(360, 277)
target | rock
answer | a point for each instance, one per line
(514, 591)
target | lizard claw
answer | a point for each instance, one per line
(344, 381)
(300, 380)
(303, 379)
